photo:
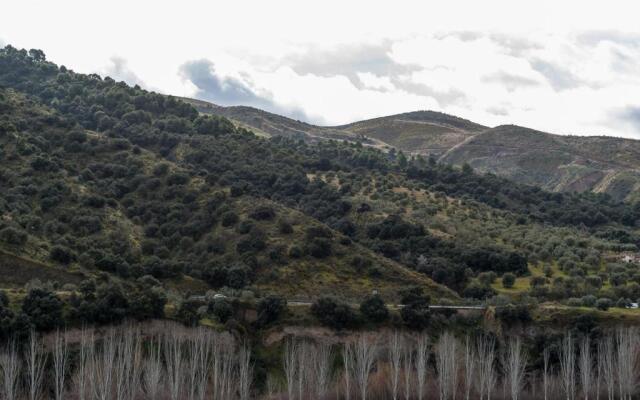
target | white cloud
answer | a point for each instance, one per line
(496, 61)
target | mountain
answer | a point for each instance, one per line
(554, 162)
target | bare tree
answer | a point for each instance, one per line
(446, 361)
(82, 377)
(515, 363)
(152, 371)
(204, 353)
(173, 359)
(10, 366)
(407, 367)
(469, 366)
(348, 355)
(585, 362)
(568, 367)
(290, 363)
(60, 364)
(127, 362)
(245, 371)
(102, 367)
(364, 360)
(396, 344)
(422, 357)
(486, 353)
(35, 362)
(545, 372)
(322, 368)
(304, 355)
(626, 365)
(607, 362)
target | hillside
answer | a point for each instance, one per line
(554, 162)
(112, 189)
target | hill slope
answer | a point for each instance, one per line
(104, 180)
(556, 163)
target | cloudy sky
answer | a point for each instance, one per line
(569, 67)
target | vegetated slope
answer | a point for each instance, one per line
(85, 199)
(105, 177)
(420, 132)
(269, 124)
(554, 162)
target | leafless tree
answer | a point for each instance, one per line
(626, 365)
(127, 362)
(585, 362)
(322, 369)
(348, 355)
(486, 354)
(568, 367)
(173, 359)
(545, 372)
(102, 367)
(10, 366)
(407, 367)
(395, 347)
(515, 363)
(153, 371)
(60, 364)
(290, 363)
(446, 361)
(35, 361)
(364, 360)
(245, 371)
(304, 366)
(607, 362)
(422, 357)
(204, 347)
(83, 375)
(469, 366)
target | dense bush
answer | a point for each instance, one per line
(334, 314)
(374, 309)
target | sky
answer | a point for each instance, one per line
(566, 67)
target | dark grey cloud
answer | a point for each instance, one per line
(348, 61)
(558, 77)
(629, 115)
(510, 81)
(119, 70)
(228, 91)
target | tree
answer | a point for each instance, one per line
(508, 280)
(333, 313)
(43, 308)
(270, 309)
(13, 236)
(374, 309)
(415, 311)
